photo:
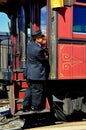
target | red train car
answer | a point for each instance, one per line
(65, 27)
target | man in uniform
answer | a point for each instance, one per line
(38, 69)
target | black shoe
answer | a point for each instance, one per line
(25, 109)
(35, 110)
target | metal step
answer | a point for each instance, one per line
(19, 100)
(19, 80)
(31, 112)
(18, 70)
(22, 90)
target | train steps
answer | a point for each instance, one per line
(16, 94)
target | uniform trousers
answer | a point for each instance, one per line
(34, 94)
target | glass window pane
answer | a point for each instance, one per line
(83, 1)
(79, 19)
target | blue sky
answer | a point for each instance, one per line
(43, 20)
(4, 21)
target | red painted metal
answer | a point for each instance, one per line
(64, 22)
(71, 61)
(21, 94)
(18, 76)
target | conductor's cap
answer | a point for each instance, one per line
(37, 34)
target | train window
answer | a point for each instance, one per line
(82, 1)
(79, 19)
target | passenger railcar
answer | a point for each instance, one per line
(65, 27)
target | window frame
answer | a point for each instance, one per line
(79, 3)
(79, 35)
